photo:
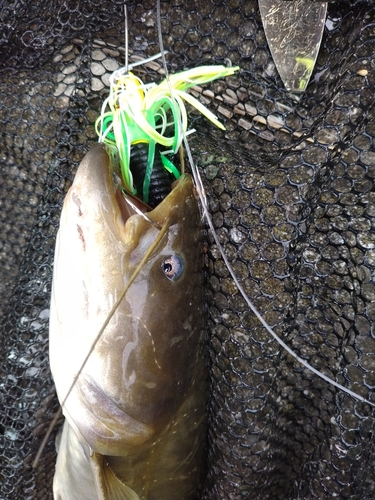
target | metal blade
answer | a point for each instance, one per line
(294, 30)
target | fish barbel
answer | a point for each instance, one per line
(136, 414)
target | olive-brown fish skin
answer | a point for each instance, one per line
(140, 400)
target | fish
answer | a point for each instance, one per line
(135, 398)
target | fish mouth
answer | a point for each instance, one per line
(130, 204)
(102, 423)
(99, 183)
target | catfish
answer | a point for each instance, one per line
(134, 398)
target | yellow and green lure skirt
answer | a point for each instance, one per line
(135, 112)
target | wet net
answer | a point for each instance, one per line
(290, 186)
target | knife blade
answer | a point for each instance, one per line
(294, 31)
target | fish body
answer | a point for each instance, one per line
(136, 415)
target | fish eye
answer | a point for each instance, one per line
(172, 267)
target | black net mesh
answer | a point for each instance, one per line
(291, 190)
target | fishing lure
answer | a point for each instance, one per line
(153, 115)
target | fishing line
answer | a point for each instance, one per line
(137, 270)
(203, 199)
(249, 302)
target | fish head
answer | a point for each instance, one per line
(121, 390)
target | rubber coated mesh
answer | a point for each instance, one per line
(291, 191)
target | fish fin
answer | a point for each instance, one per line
(108, 484)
